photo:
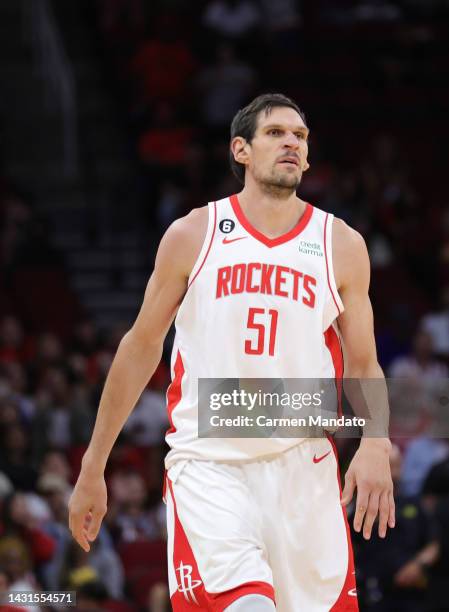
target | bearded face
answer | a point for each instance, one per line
(277, 155)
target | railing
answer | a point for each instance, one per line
(52, 63)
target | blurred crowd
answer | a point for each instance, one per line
(180, 71)
(48, 397)
(49, 391)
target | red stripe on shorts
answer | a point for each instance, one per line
(191, 593)
(347, 600)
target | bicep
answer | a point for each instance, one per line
(163, 296)
(177, 253)
(165, 290)
(357, 331)
(356, 322)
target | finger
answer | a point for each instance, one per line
(87, 520)
(348, 491)
(361, 507)
(371, 514)
(392, 511)
(384, 511)
(95, 523)
(78, 531)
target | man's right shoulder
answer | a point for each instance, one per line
(194, 223)
(184, 238)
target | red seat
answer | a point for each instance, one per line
(141, 556)
(145, 564)
(114, 605)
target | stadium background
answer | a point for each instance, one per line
(114, 120)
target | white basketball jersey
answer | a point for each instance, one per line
(255, 307)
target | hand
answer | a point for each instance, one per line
(87, 507)
(369, 471)
(410, 575)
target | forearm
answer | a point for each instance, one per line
(132, 367)
(367, 393)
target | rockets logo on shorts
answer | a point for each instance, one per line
(186, 585)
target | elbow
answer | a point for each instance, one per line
(363, 368)
(142, 346)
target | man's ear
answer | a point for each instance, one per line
(239, 148)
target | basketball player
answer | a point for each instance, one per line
(254, 525)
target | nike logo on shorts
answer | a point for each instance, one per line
(318, 459)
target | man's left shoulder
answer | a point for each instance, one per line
(346, 236)
(349, 252)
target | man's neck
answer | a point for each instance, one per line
(271, 215)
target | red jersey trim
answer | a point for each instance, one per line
(327, 265)
(347, 600)
(270, 242)
(208, 248)
(333, 344)
(174, 391)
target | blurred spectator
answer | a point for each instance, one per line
(6, 487)
(232, 18)
(49, 351)
(224, 86)
(399, 581)
(9, 413)
(170, 204)
(420, 456)
(17, 521)
(15, 457)
(15, 562)
(16, 377)
(281, 16)
(282, 19)
(11, 339)
(129, 518)
(101, 561)
(418, 382)
(163, 65)
(164, 144)
(17, 218)
(63, 418)
(54, 463)
(376, 10)
(5, 584)
(91, 596)
(101, 564)
(85, 339)
(420, 364)
(148, 420)
(115, 15)
(159, 598)
(437, 325)
(436, 497)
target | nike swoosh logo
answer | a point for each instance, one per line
(318, 459)
(228, 241)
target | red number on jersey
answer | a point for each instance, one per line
(260, 328)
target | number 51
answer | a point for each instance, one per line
(260, 328)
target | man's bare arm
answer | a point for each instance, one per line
(137, 358)
(369, 471)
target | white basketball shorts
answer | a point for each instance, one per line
(274, 526)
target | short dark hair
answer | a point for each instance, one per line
(244, 123)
